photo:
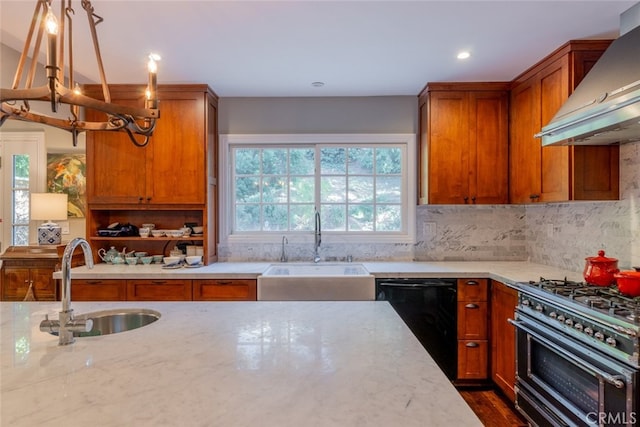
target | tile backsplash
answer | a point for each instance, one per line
(557, 234)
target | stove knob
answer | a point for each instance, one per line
(553, 314)
(539, 308)
(578, 326)
(599, 336)
(526, 302)
(611, 341)
(588, 331)
(560, 318)
(568, 322)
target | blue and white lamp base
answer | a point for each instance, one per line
(49, 233)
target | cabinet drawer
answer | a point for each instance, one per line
(472, 320)
(98, 290)
(159, 290)
(224, 290)
(473, 359)
(473, 289)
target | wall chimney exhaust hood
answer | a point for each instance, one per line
(605, 107)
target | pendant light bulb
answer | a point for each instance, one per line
(51, 22)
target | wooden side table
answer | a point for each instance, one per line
(25, 267)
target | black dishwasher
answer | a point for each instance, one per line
(428, 307)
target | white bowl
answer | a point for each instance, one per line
(197, 229)
(174, 233)
(193, 259)
(157, 233)
(169, 260)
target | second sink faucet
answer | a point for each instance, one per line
(66, 325)
(317, 238)
(283, 254)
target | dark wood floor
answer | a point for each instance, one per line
(493, 409)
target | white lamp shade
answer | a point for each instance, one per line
(48, 206)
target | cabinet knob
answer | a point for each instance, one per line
(534, 197)
(472, 344)
(148, 199)
(466, 199)
(473, 199)
(140, 199)
(472, 283)
(471, 305)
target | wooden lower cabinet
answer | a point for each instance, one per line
(164, 290)
(473, 359)
(98, 290)
(473, 330)
(159, 290)
(503, 337)
(225, 290)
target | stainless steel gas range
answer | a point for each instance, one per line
(577, 354)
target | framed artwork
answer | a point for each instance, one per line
(66, 174)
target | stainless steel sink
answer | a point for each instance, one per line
(115, 321)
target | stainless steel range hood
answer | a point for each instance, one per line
(605, 107)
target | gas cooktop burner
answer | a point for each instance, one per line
(604, 299)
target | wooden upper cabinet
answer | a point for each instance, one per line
(556, 173)
(171, 169)
(463, 143)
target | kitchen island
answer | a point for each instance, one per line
(227, 364)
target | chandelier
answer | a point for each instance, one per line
(138, 123)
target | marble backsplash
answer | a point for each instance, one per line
(556, 234)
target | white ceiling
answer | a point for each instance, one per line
(358, 48)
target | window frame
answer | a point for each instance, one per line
(227, 141)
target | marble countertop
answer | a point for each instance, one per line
(228, 364)
(506, 271)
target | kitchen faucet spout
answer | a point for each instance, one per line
(66, 325)
(283, 255)
(317, 238)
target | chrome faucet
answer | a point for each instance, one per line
(66, 325)
(283, 255)
(318, 238)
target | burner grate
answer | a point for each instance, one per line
(604, 299)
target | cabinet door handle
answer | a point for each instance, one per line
(534, 197)
(148, 199)
(94, 282)
(225, 282)
(466, 199)
(140, 199)
(472, 344)
(473, 199)
(158, 282)
(472, 283)
(471, 305)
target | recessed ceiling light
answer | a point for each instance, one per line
(464, 55)
(317, 84)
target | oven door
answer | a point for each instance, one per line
(561, 382)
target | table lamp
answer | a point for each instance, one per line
(49, 207)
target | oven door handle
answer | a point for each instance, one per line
(614, 380)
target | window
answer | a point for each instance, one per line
(362, 185)
(24, 159)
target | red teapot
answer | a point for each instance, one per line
(599, 270)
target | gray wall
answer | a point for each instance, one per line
(375, 114)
